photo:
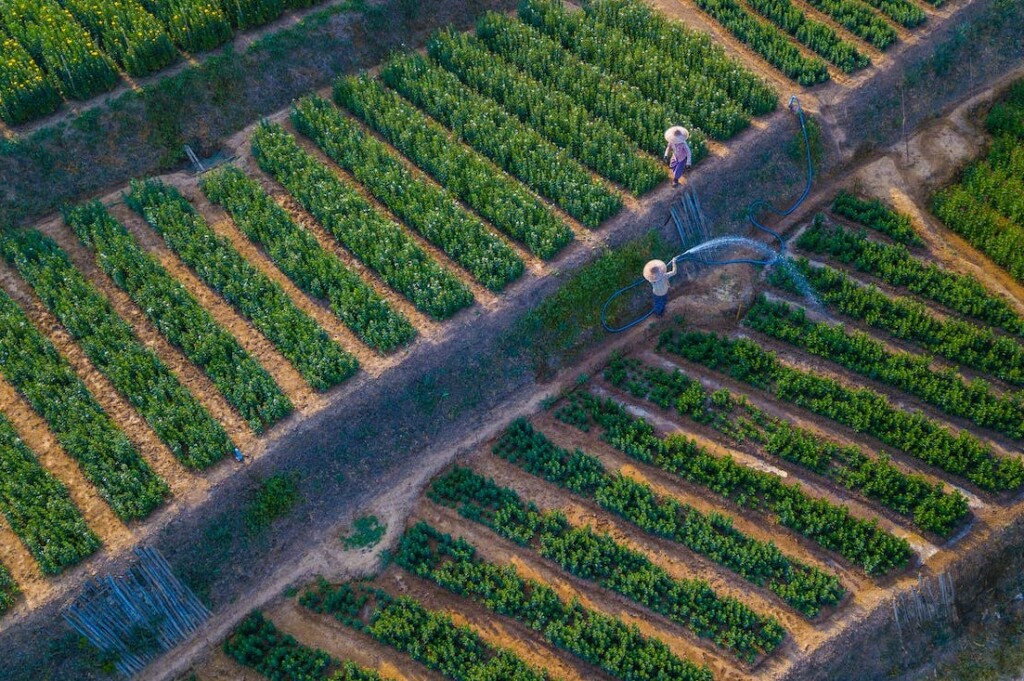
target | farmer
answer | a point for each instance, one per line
(679, 152)
(658, 274)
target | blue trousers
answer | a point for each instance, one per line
(659, 304)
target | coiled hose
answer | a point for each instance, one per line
(752, 212)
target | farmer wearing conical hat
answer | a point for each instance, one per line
(658, 274)
(678, 151)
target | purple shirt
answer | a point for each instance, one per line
(680, 152)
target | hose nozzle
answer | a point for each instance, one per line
(794, 105)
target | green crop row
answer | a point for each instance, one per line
(767, 40)
(508, 205)
(372, 238)
(861, 409)
(619, 103)
(320, 360)
(1006, 117)
(956, 340)
(495, 133)
(128, 33)
(832, 526)
(605, 641)
(803, 586)
(857, 351)
(38, 508)
(313, 269)
(425, 207)
(878, 216)
(8, 590)
(258, 644)
(894, 264)
(61, 47)
(983, 226)
(999, 179)
(180, 318)
(556, 116)
(597, 557)
(816, 36)
(44, 378)
(695, 49)
(194, 25)
(25, 91)
(429, 637)
(911, 495)
(698, 96)
(177, 417)
(903, 12)
(859, 19)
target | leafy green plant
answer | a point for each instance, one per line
(832, 526)
(594, 637)
(861, 409)
(596, 556)
(503, 201)
(194, 25)
(8, 590)
(320, 360)
(127, 33)
(430, 637)
(895, 265)
(930, 506)
(273, 498)
(428, 209)
(372, 238)
(816, 36)
(366, 531)
(174, 413)
(876, 215)
(947, 390)
(46, 380)
(300, 256)
(497, 134)
(591, 141)
(38, 508)
(25, 91)
(803, 586)
(180, 318)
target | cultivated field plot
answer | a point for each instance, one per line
(147, 337)
(61, 50)
(727, 494)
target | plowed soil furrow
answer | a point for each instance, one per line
(117, 407)
(529, 564)
(187, 373)
(497, 630)
(254, 342)
(346, 644)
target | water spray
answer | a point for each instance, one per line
(692, 216)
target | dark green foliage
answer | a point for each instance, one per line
(46, 380)
(894, 264)
(372, 238)
(320, 360)
(273, 498)
(818, 37)
(315, 270)
(860, 541)
(428, 209)
(619, 649)
(945, 389)
(929, 505)
(38, 508)
(804, 587)
(495, 133)
(178, 315)
(861, 409)
(177, 417)
(592, 141)
(8, 590)
(430, 637)
(598, 557)
(876, 215)
(503, 201)
(958, 341)
(366, 532)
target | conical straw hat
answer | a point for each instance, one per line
(677, 134)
